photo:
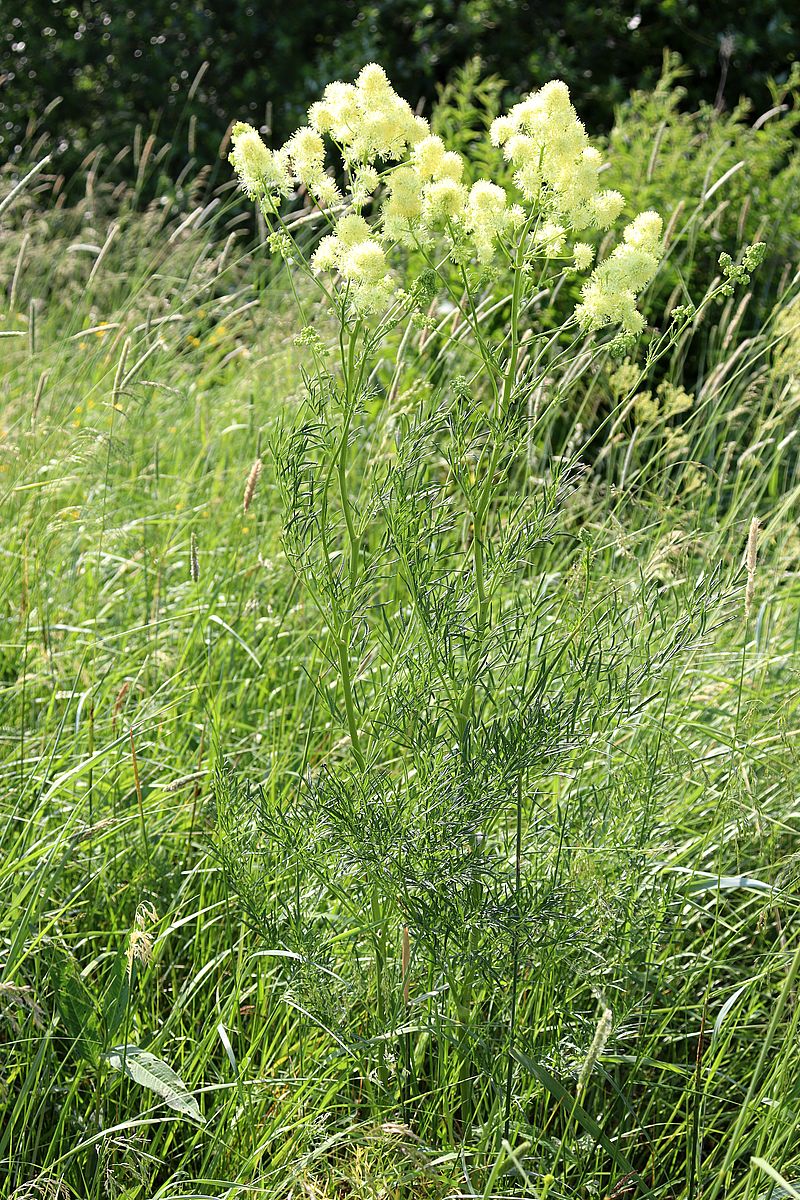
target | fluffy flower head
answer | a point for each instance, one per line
(365, 261)
(583, 254)
(403, 206)
(609, 296)
(352, 229)
(431, 160)
(487, 217)
(427, 155)
(367, 118)
(260, 170)
(443, 200)
(373, 83)
(306, 151)
(502, 128)
(365, 181)
(645, 232)
(337, 112)
(606, 208)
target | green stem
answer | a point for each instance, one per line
(347, 689)
(482, 508)
(380, 1007)
(482, 613)
(347, 507)
(354, 549)
(512, 1018)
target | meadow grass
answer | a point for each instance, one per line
(169, 709)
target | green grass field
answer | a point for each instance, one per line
(370, 993)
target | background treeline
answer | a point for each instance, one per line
(85, 72)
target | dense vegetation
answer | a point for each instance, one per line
(187, 863)
(86, 73)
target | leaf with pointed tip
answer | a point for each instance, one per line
(726, 1009)
(784, 1188)
(727, 883)
(151, 1072)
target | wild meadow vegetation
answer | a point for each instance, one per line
(399, 675)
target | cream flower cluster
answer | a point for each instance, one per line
(418, 194)
(260, 170)
(609, 296)
(367, 119)
(426, 197)
(359, 259)
(554, 165)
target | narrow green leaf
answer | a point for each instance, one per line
(727, 883)
(727, 1008)
(581, 1116)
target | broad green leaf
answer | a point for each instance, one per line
(728, 883)
(151, 1072)
(77, 1008)
(117, 997)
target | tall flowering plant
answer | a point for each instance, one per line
(416, 523)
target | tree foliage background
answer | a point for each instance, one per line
(113, 65)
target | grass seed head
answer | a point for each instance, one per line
(140, 941)
(751, 560)
(601, 1035)
(194, 561)
(252, 482)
